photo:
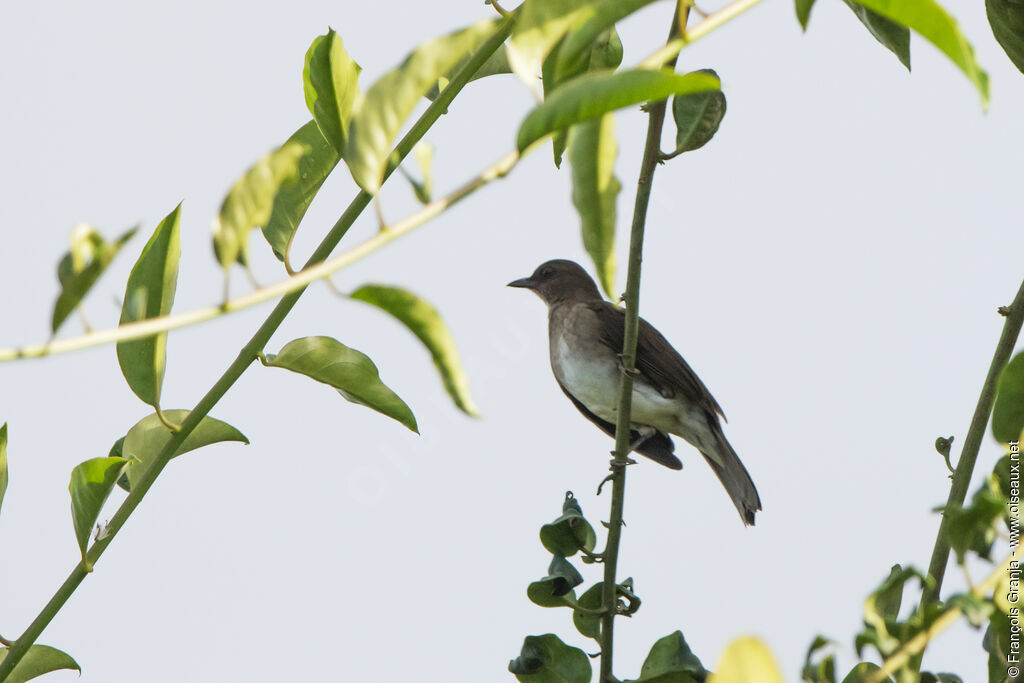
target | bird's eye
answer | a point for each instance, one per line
(546, 272)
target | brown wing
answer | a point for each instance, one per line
(656, 360)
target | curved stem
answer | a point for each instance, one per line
(247, 355)
(666, 56)
(916, 645)
(296, 282)
(969, 454)
(652, 150)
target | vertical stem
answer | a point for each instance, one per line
(248, 354)
(969, 454)
(652, 153)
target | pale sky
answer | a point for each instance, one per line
(830, 264)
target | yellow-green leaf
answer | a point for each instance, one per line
(352, 373)
(929, 19)
(425, 322)
(594, 94)
(143, 442)
(293, 199)
(91, 483)
(330, 82)
(250, 202)
(746, 660)
(803, 12)
(594, 19)
(539, 26)
(379, 115)
(38, 660)
(592, 152)
(150, 294)
(81, 267)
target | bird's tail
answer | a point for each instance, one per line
(735, 479)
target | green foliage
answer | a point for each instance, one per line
(379, 115)
(823, 669)
(1007, 20)
(495, 65)
(293, 199)
(80, 268)
(697, 116)
(997, 644)
(570, 532)
(746, 660)
(425, 322)
(250, 202)
(594, 94)
(143, 442)
(592, 152)
(150, 294)
(352, 373)
(39, 660)
(861, 673)
(3, 463)
(91, 484)
(974, 527)
(671, 661)
(803, 12)
(887, 32)
(935, 25)
(546, 659)
(424, 188)
(1008, 411)
(551, 591)
(585, 620)
(538, 28)
(593, 21)
(330, 82)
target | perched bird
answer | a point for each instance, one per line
(585, 335)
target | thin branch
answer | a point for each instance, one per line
(666, 56)
(652, 151)
(300, 280)
(916, 645)
(247, 354)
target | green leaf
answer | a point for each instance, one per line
(997, 644)
(929, 677)
(595, 19)
(538, 28)
(936, 25)
(570, 532)
(893, 36)
(495, 65)
(803, 12)
(592, 152)
(423, 189)
(593, 95)
(589, 624)
(861, 672)
(671, 661)
(81, 267)
(546, 659)
(250, 202)
(38, 660)
(149, 294)
(1008, 411)
(425, 322)
(148, 437)
(977, 610)
(974, 527)
(350, 372)
(3, 463)
(823, 670)
(330, 82)
(697, 116)
(379, 115)
(91, 483)
(550, 591)
(293, 199)
(747, 660)
(1006, 17)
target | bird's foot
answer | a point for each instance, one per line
(632, 372)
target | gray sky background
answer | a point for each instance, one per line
(830, 264)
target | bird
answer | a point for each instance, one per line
(585, 336)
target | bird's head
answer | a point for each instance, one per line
(560, 280)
